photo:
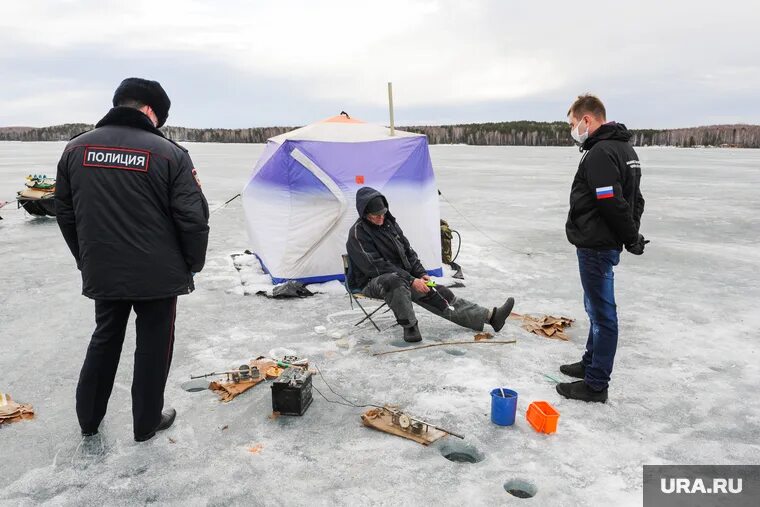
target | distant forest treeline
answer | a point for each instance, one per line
(531, 133)
(512, 133)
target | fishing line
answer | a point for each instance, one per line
(336, 401)
(351, 404)
(3, 209)
(529, 254)
(347, 403)
(210, 213)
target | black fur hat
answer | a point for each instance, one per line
(148, 92)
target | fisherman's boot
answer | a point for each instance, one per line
(576, 370)
(167, 419)
(499, 315)
(580, 390)
(412, 334)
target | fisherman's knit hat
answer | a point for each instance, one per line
(376, 206)
(148, 92)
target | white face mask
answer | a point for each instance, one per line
(579, 138)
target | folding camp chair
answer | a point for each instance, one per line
(355, 294)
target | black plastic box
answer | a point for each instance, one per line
(291, 392)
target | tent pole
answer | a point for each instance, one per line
(390, 106)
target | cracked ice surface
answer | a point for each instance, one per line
(683, 389)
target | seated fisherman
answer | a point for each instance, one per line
(385, 266)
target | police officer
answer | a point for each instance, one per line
(132, 212)
(605, 212)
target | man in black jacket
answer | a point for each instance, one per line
(385, 266)
(605, 213)
(132, 212)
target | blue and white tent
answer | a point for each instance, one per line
(300, 199)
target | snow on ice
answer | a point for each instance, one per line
(683, 390)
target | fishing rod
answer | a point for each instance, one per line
(245, 371)
(215, 374)
(431, 425)
(431, 284)
(225, 204)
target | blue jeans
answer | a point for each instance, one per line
(598, 282)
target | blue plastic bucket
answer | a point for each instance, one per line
(503, 406)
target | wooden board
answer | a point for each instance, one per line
(380, 419)
(36, 193)
(228, 390)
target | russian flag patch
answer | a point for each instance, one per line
(604, 193)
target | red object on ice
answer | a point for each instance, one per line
(542, 416)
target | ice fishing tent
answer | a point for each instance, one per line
(300, 199)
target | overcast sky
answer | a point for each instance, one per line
(246, 64)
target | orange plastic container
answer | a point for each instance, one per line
(542, 416)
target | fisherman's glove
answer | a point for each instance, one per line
(637, 248)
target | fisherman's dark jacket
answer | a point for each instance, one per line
(376, 250)
(131, 210)
(605, 199)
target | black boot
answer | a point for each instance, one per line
(580, 390)
(500, 314)
(576, 370)
(412, 334)
(167, 419)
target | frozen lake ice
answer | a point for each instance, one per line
(684, 388)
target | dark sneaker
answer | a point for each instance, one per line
(500, 314)
(581, 391)
(167, 419)
(412, 334)
(576, 370)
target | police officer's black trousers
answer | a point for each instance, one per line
(153, 357)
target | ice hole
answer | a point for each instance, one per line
(401, 343)
(520, 488)
(461, 452)
(195, 385)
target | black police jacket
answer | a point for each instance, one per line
(605, 199)
(376, 250)
(131, 210)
